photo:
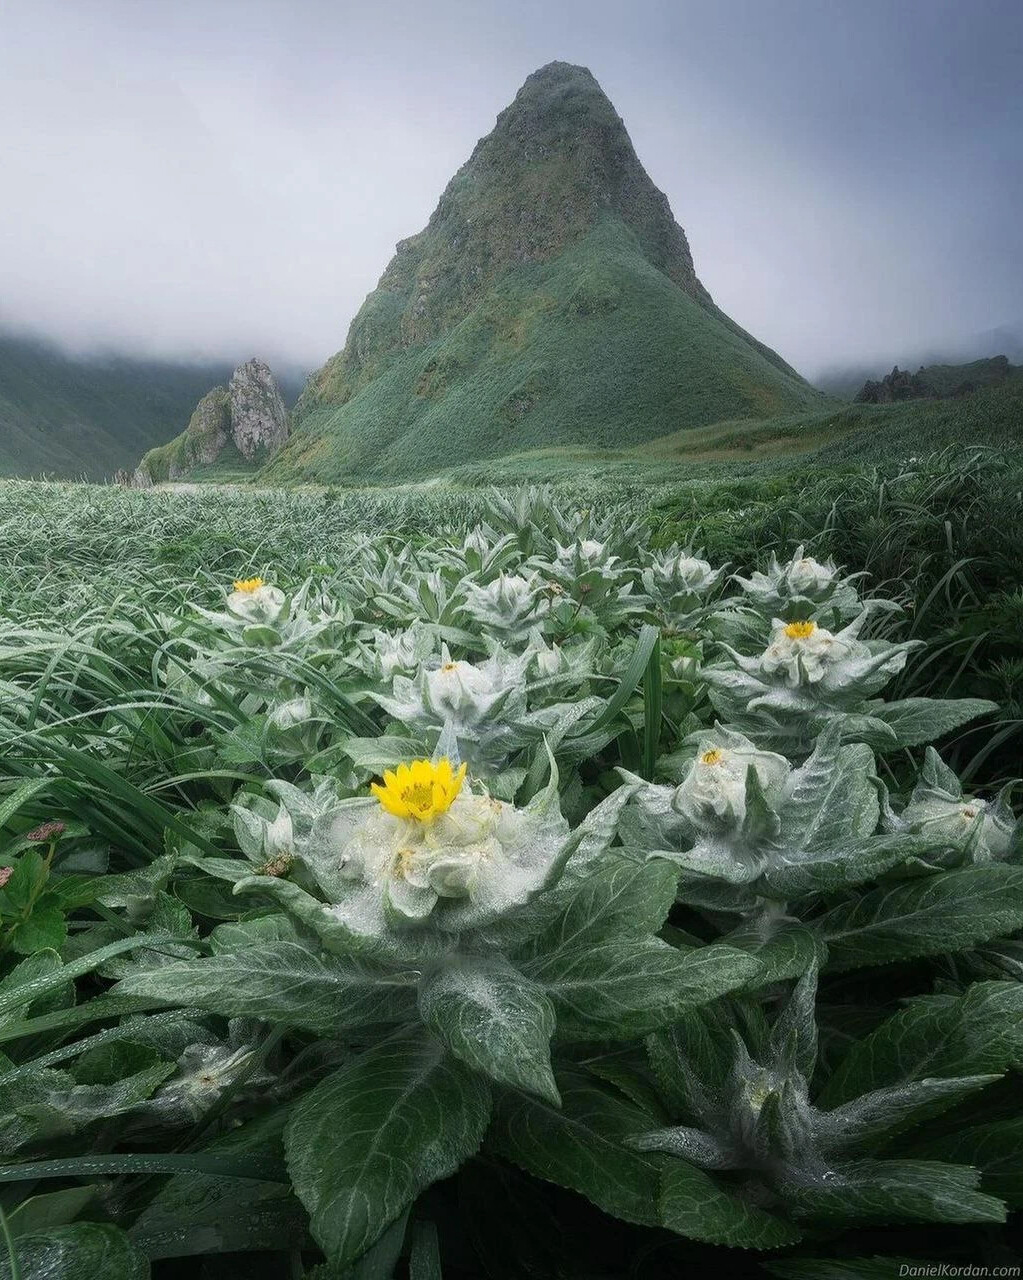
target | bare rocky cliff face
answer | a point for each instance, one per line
(247, 420)
(258, 418)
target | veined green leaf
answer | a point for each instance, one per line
(494, 1019)
(367, 1140)
(924, 917)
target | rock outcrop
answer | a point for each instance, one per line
(936, 381)
(245, 423)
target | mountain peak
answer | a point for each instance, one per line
(558, 160)
(550, 300)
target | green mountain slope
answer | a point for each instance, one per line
(836, 437)
(551, 300)
(64, 416)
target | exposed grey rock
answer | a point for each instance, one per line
(248, 415)
(259, 420)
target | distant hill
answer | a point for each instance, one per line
(846, 380)
(551, 300)
(62, 415)
(935, 381)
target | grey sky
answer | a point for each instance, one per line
(223, 178)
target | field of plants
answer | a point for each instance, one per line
(575, 884)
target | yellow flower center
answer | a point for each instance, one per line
(449, 666)
(248, 585)
(714, 756)
(800, 630)
(421, 790)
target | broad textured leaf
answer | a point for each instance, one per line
(367, 1140)
(626, 987)
(787, 951)
(888, 1191)
(845, 862)
(626, 898)
(978, 1033)
(930, 916)
(494, 1019)
(581, 1147)
(281, 982)
(995, 1149)
(830, 797)
(83, 1251)
(693, 1205)
(920, 720)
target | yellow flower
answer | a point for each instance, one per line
(248, 585)
(421, 790)
(714, 756)
(800, 630)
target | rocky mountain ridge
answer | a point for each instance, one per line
(245, 422)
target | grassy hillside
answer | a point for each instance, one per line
(837, 437)
(597, 348)
(64, 416)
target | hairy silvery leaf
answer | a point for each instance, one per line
(366, 1141)
(493, 1018)
(80, 1251)
(283, 982)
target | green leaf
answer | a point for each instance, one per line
(260, 1167)
(692, 1204)
(831, 797)
(785, 951)
(581, 1147)
(920, 720)
(978, 1033)
(924, 917)
(84, 1251)
(494, 1019)
(44, 930)
(19, 796)
(280, 982)
(887, 1191)
(843, 863)
(626, 987)
(625, 898)
(366, 1141)
(995, 1149)
(26, 992)
(51, 1209)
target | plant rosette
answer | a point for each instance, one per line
(428, 851)
(969, 829)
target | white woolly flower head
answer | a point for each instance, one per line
(712, 796)
(808, 577)
(466, 695)
(256, 602)
(394, 652)
(432, 848)
(802, 652)
(956, 820)
(291, 714)
(586, 553)
(508, 606)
